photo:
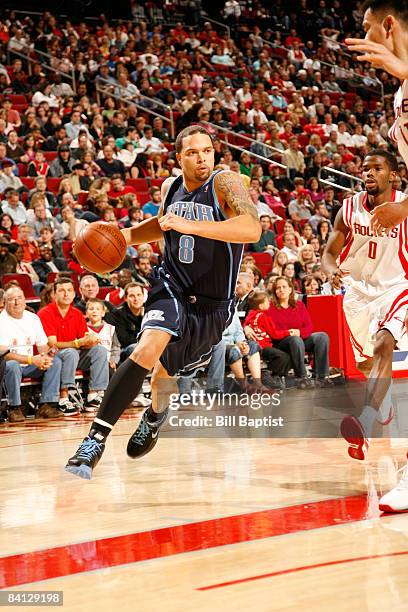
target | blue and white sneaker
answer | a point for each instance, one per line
(86, 458)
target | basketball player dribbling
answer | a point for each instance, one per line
(205, 218)
(375, 273)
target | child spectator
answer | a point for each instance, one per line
(95, 312)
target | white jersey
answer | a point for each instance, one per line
(376, 263)
(399, 130)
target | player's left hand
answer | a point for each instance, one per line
(170, 221)
(388, 215)
(379, 56)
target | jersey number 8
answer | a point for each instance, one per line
(186, 249)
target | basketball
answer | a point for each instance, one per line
(100, 247)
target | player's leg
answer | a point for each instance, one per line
(357, 431)
(123, 387)
(143, 440)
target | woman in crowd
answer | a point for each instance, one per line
(292, 316)
(280, 260)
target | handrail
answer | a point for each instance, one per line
(219, 23)
(244, 136)
(351, 177)
(106, 92)
(32, 60)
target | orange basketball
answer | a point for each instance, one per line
(100, 247)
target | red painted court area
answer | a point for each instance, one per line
(132, 548)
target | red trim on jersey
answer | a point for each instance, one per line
(364, 202)
(394, 307)
(402, 134)
(357, 346)
(350, 212)
(347, 247)
(402, 254)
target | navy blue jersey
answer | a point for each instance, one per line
(199, 266)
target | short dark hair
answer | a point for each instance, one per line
(133, 284)
(396, 7)
(391, 160)
(256, 298)
(189, 131)
(63, 280)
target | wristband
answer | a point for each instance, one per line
(76, 342)
(29, 360)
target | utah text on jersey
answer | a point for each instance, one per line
(192, 211)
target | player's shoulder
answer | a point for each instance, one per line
(224, 177)
(166, 184)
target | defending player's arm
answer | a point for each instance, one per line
(243, 224)
(148, 230)
(335, 245)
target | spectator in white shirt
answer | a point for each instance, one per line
(344, 137)
(244, 93)
(256, 111)
(44, 94)
(15, 208)
(150, 143)
(358, 138)
(75, 126)
(290, 248)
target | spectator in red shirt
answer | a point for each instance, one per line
(265, 333)
(67, 331)
(118, 188)
(314, 127)
(291, 317)
(29, 246)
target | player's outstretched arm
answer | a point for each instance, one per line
(243, 224)
(379, 56)
(148, 230)
(335, 245)
(389, 215)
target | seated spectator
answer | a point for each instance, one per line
(25, 267)
(116, 297)
(151, 208)
(289, 246)
(294, 158)
(239, 348)
(306, 256)
(21, 331)
(44, 94)
(63, 163)
(75, 126)
(47, 263)
(279, 261)
(306, 234)
(27, 243)
(143, 271)
(70, 224)
(266, 333)
(41, 187)
(324, 228)
(289, 272)
(109, 165)
(47, 238)
(8, 262)
(7, 227)
(311, 286)
(14, 150)
(300, 208)
(66, 329)
(14, 207)
(38, 167)
(292, 317)
(88, 288)
(316, 192)
(127, 319)
(118, 188)
(245, 286)
(271, 196)
(95, 313)
(150, 143)
(261, 207)
(8, 180)
(320, 214)
(333, 286)
(267, 241)
(41, 217)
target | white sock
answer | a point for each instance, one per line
(367, 419)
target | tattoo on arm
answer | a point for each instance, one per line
(236, 196)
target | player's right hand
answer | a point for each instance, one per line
(379, 56)
(388, 215)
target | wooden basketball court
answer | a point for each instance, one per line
(201, 524)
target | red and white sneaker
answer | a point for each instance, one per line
(353, 432)
(385, 417)
(396, 500)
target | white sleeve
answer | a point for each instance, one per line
(40, 335)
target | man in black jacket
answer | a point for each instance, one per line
(127, 319)
(47, 263)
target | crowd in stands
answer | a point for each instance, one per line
(90, 136)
